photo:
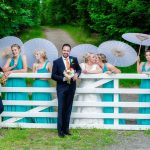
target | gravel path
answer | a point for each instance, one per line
(59, 37)
(135, 141)
(125, 139)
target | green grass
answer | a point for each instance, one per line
(129, 82)
(36, 32)
(147, 132)
(26, 139)
(46, 139)
(129, 133)
(79, 34)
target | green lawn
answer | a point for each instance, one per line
(47, 139)
(44, 139)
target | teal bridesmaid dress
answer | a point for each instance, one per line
(145, 84)
(16, 82)
(109, 98)
(43, 96)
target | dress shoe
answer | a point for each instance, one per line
(61, 135)
(67, 133)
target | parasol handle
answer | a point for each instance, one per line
(139, 50)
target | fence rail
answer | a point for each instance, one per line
(95, 88)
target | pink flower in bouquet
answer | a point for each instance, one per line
(69, 73)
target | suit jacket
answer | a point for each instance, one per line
(59, 67)
(1, 70)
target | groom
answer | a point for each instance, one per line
(65, 89)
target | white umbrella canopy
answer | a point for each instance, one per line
(137, 38)
(80, 51)
(5, 47)
(39, 44)
(118, 53)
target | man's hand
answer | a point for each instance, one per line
(65, 79)
(75, 77)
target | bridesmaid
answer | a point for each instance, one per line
(42, 66)
(144, 67)
(109, 69)
(16, 64)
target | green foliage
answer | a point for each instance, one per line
(112, 18)
(36, 32)
(17, 15)
(55, 12)
(109, 18)
(129, 82)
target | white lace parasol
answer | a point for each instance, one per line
(39, 44)
(5, 47)
(118, 53)
(137, 38)
(80, 51)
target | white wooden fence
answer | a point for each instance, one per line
(94, 88)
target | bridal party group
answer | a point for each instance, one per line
(92, 64)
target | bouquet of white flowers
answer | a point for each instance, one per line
(69, 73)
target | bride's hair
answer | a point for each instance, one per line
(42, 53)
(102, 57)
(86, 57)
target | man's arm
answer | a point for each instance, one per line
(55, 75)
(78, 68)
(1, 70)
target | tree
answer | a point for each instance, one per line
(17, 15)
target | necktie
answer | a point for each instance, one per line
(67, 63)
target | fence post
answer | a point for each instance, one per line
(116, 99)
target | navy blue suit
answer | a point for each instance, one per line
(65, 91)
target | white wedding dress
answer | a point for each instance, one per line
(88, 97)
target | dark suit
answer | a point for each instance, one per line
(65, 91)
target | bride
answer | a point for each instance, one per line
(89, 67)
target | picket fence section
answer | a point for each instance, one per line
(95, 88)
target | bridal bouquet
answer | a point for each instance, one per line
(69, 73)
(2, 78)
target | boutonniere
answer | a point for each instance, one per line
(71, 61)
